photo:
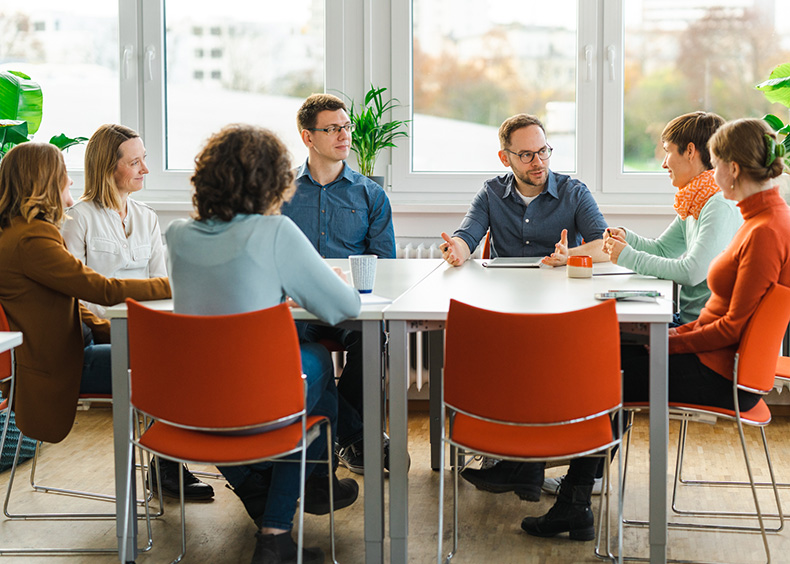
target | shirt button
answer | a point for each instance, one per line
(526, 242)
(353, 211)
(124, 246)
(527, 220)
(322, 233)
(323, 211)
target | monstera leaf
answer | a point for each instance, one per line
(21, 99)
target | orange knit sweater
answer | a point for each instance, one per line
(757, 257)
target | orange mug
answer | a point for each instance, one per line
(580, 266)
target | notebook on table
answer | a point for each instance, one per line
(514, 262)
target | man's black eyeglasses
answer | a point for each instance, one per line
(335, 129)
(527, 157)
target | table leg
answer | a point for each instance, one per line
(435, 363)
(398, 412)
(124, 466)
(659, 442)
(373, 415)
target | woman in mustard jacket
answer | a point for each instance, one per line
(41, 284)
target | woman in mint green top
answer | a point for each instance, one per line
(240, 255)
(704, 226)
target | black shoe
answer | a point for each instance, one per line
(194, 489)
(316, 494)
(570, 514)
(353, 458)
(523, 478)
(254, 492)
(281, 549)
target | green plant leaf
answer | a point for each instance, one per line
(21, 99)
(372, 133)
(777, 87)
(13, 131)
(62, 142)
(775, 123)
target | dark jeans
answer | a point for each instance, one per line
(690, 381)
(284, 489)
(96, 366)
(349, 386)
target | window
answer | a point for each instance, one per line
(470, 73)
(605, 76)
(680, 56)
(73, 55)
(272, 58)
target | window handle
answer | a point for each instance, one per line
(588, 61)
(128, 52)
(150, 55)
(610, 58)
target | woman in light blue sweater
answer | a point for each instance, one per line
(240, 255)
(704, 226)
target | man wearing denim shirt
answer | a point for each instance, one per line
(342, 213)
(531, 212)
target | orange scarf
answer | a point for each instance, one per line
(690, 199)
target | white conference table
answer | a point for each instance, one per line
(394, 277)
(9, 340)
(521, 290)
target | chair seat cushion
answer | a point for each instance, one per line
(760, 414)
(532, 442)
(219, 449)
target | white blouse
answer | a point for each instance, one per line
(129, 249)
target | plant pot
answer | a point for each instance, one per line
(378, 180)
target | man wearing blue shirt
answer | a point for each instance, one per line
(342, 213)
(530, 212)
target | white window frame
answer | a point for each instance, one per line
(367, 42)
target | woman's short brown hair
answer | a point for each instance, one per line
(743, 141)
(32, 177)
(696, 127)
(243, 169)
(101, 159)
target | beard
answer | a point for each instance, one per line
(525, 178)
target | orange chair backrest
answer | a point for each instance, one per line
(220, 371)
(761, 341)
(532, 368)
(5, 358)
(487, 246)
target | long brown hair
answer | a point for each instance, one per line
(32, 176)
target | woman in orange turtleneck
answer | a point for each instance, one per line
(747, 158)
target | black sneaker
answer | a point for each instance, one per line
(353, 457)
(316, 494)
(194, 489)
(523, 478)
(281, 549)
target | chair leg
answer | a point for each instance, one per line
(329, 447)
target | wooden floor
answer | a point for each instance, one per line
(220, 532)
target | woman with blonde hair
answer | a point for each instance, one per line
(110, 232)
(118, 236)
(747, 159)
(41, 284)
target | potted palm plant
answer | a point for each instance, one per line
(21, 108)
(777, 89)
(372, 131)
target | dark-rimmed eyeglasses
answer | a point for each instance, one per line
(527, 157)
(334, 129)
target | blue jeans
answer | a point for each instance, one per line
(349, 386)
(96, 366)
(284, 489)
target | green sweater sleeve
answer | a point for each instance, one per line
(684, 251)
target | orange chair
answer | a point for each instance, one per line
(247, 399)
(755, 371)
(497, 402)
(7, 374)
